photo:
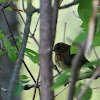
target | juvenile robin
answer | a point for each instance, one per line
(63, 57)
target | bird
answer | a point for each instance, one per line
(63, 57)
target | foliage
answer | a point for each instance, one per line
(12, 51)
(62, 79)
(12, 54)
(19, 87)
(87, 95)
(84, 11)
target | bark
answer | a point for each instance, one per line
(46, 50)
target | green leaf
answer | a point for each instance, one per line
(12, 55)
(84, 74)
(73, 49)
(26, 81)
(87, 95)
(78, 89)
(92, 63)
(81, 38)
(61, 80)
(60, 1)
(16, 37)
(85, 11)
(18, 89)
(1, 34)
(9, 8)
(19, 44)
(7, 44)
(34, 56)
(27, 50)
(98, 23)
(2, 52)
(96, 41)
(24, 76)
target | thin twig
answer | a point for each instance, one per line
(96, 88)
(61, 91)
(17, 46)
(69, 5)
(85, 77)
(97, 72)
(10, 29)
(64, 32)
(28, 86)
(95, 54)
(19, 14)
(92, 25)
(54, 24)
(21, 54)
(75, 14)
(24, 23)
(36, 85)
(35, 27)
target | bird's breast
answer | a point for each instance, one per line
(62, 61)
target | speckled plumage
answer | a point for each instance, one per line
(63, 58)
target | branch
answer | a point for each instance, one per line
(24, 23)
(7, 4)
(54, 20)
(62, 91)
(16, 45)
(36, 85)
(4, 5)
(69, 5)
(35, 28)
(28, 86)
(97, 72)
(76, 63)
(21, 54)
(92, 25)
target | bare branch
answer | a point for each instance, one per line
(64, 32)
(24, 23)
(54, 20)
(35, 27)
(69, 5)
(92, 25)
(36, 85)
(62, 91)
